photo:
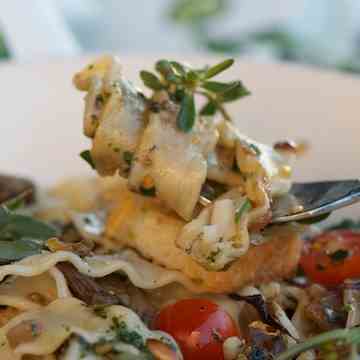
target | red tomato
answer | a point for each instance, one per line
(332, 257)
(199, 326)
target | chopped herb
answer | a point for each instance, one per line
(123, 333)
(255, 149)
(100, 311)
(320, 267)
(86, 155)
(212, 257)
(116, 149)
(245, 207)
(35, 329)
(151, 192)
(91, 66)
(339, 255)
(128, 157)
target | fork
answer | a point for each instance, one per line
(311, 200)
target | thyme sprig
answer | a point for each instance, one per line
(183, 83)
(343, 336)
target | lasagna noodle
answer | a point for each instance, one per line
(65, 317)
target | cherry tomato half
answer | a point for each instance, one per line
(332, 257)
(199, 326)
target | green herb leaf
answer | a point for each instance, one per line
(339, 255)
(209, 109)
(236, 91)
(128, 157)
(216, 86)
(21, 235)
(186, 116)
(256, 149)
(179, 68)
(166, 69)
(151, 192)
(86, 155)
(150, 80)
(217, 69)
(314, 220)
(18, 249)
(245, 207)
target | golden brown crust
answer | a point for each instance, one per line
(143, 225)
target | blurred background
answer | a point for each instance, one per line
(323, 33)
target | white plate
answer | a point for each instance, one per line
(41, 117)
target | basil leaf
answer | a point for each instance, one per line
(150, 80)
(217, 69)
(209, 109)
(22, 226)
(186, 116)
(236, 91)
(86, 155)
(18, 249)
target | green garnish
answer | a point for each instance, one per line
(256, 149)
(86, 155)
(186, 116)
(151, 192)
(182, 83)
(21, 235)
(212, 256)
(339, 255)
(245, 207)
(128, 157)
(343, 336)
(124, 334)
(150, 80)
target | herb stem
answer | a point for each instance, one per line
(219, 106)
(350, 336)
